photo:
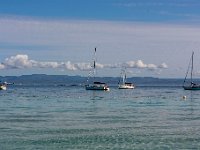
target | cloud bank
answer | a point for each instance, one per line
(22, 61)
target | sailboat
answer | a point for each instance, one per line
(192, 85)
(3, 86)
(96, 85)
(122, 82)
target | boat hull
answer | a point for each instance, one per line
(98, 88)
(126, 87)
(3, 87)
(191, 88)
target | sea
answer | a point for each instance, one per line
(68, 117)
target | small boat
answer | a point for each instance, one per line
(192, 85)
(96, 85)
(3, 86)
(123, 84)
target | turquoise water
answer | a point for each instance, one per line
(73, 118)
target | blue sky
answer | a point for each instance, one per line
(150, 37)
(124, 10)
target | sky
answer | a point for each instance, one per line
(151, 38)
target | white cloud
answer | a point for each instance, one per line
(69, 66)
(22, 61)
(46, 64)
(152, 66)
(18, 61)
(163, 66)
(141, 65)
(82, 66)
(2, 66)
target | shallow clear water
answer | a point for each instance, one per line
(73, 118)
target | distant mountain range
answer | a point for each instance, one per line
(36, 79)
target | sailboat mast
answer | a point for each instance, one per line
(123, 74)
(123, 78)
(94, 65)
(192, 66)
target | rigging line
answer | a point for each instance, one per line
(92, 72)
(192, 66)
(188, 68)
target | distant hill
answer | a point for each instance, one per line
(43, 79)
(78, 80)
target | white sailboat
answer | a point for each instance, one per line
(191, 85)
(3, 86)
(122, 82)
(95, 85)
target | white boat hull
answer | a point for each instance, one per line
(3, 87)
(124, 86)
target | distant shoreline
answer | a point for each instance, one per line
(75, 80)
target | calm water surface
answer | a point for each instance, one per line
(73, 118)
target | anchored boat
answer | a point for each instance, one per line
(192, 85)
(3, 86)
(96, 85)
(122, 82)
